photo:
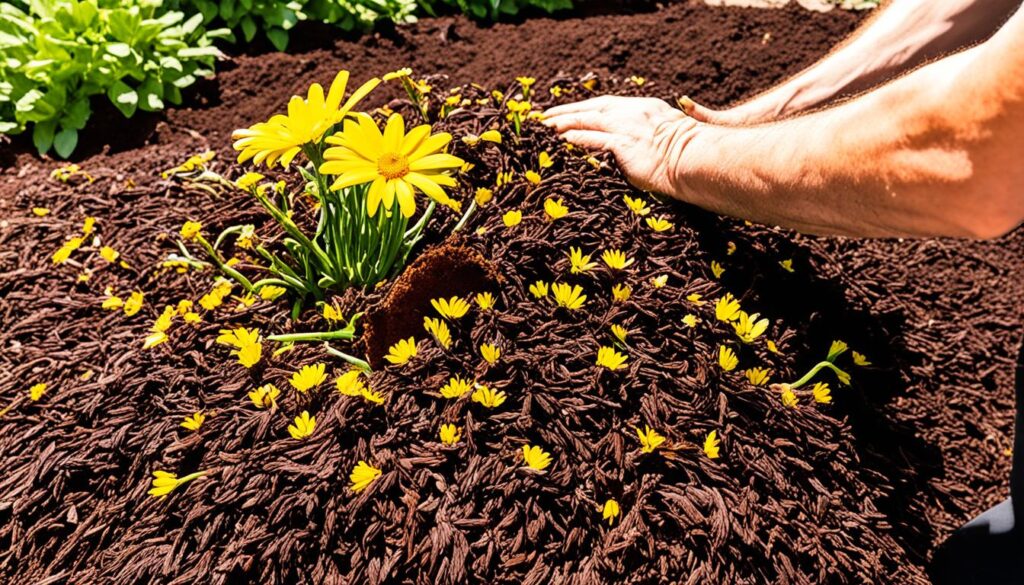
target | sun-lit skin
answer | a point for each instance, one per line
(394, 163)
(282, 137)
(920, 169)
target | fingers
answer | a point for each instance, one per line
(596, 104)
(590, 139)
(583, 120)
(697, 111)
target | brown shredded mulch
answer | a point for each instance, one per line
(857, 491)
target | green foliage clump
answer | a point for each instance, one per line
(57, 54)
(245, 18)
(495, 9)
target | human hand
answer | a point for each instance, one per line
(646, 135)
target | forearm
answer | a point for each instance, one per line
(901, 37)
(933, 153)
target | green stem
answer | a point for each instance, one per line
(346, 333)
(465, 216)
(294, 230)
(191, 476)
(844, 378)
(361, 364)
(215, 256)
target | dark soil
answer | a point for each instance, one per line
(449, 269)
(856, 492)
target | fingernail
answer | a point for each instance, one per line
(686, 104)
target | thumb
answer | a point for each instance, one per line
(696, 111)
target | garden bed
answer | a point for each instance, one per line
(855, 491)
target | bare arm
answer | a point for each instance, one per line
(936, 152)
(933, 153)
(902, 36)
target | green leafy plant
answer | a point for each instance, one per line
(361, 184)
(57, 54)
(494, 9)
(246, 18)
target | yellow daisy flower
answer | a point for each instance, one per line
(282, 137)
(394, 163)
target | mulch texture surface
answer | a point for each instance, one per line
(857, 491)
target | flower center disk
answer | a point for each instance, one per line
(392, 165)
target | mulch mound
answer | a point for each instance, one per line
(853, 492)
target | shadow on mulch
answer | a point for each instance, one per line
(819, 309)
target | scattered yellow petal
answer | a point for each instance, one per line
(727, 358)
(488, 397)
(512, 218)
(610, 511)
(555, 209)
(490, 352)
(363, 474)
(308, 377)
(711, 445)
(609, 358)
(649, 439)
(401, 352)
(194, 422)
(450, 434)
(536, 458)
(36, 391)
(303, 427)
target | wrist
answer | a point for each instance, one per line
(691, 168)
